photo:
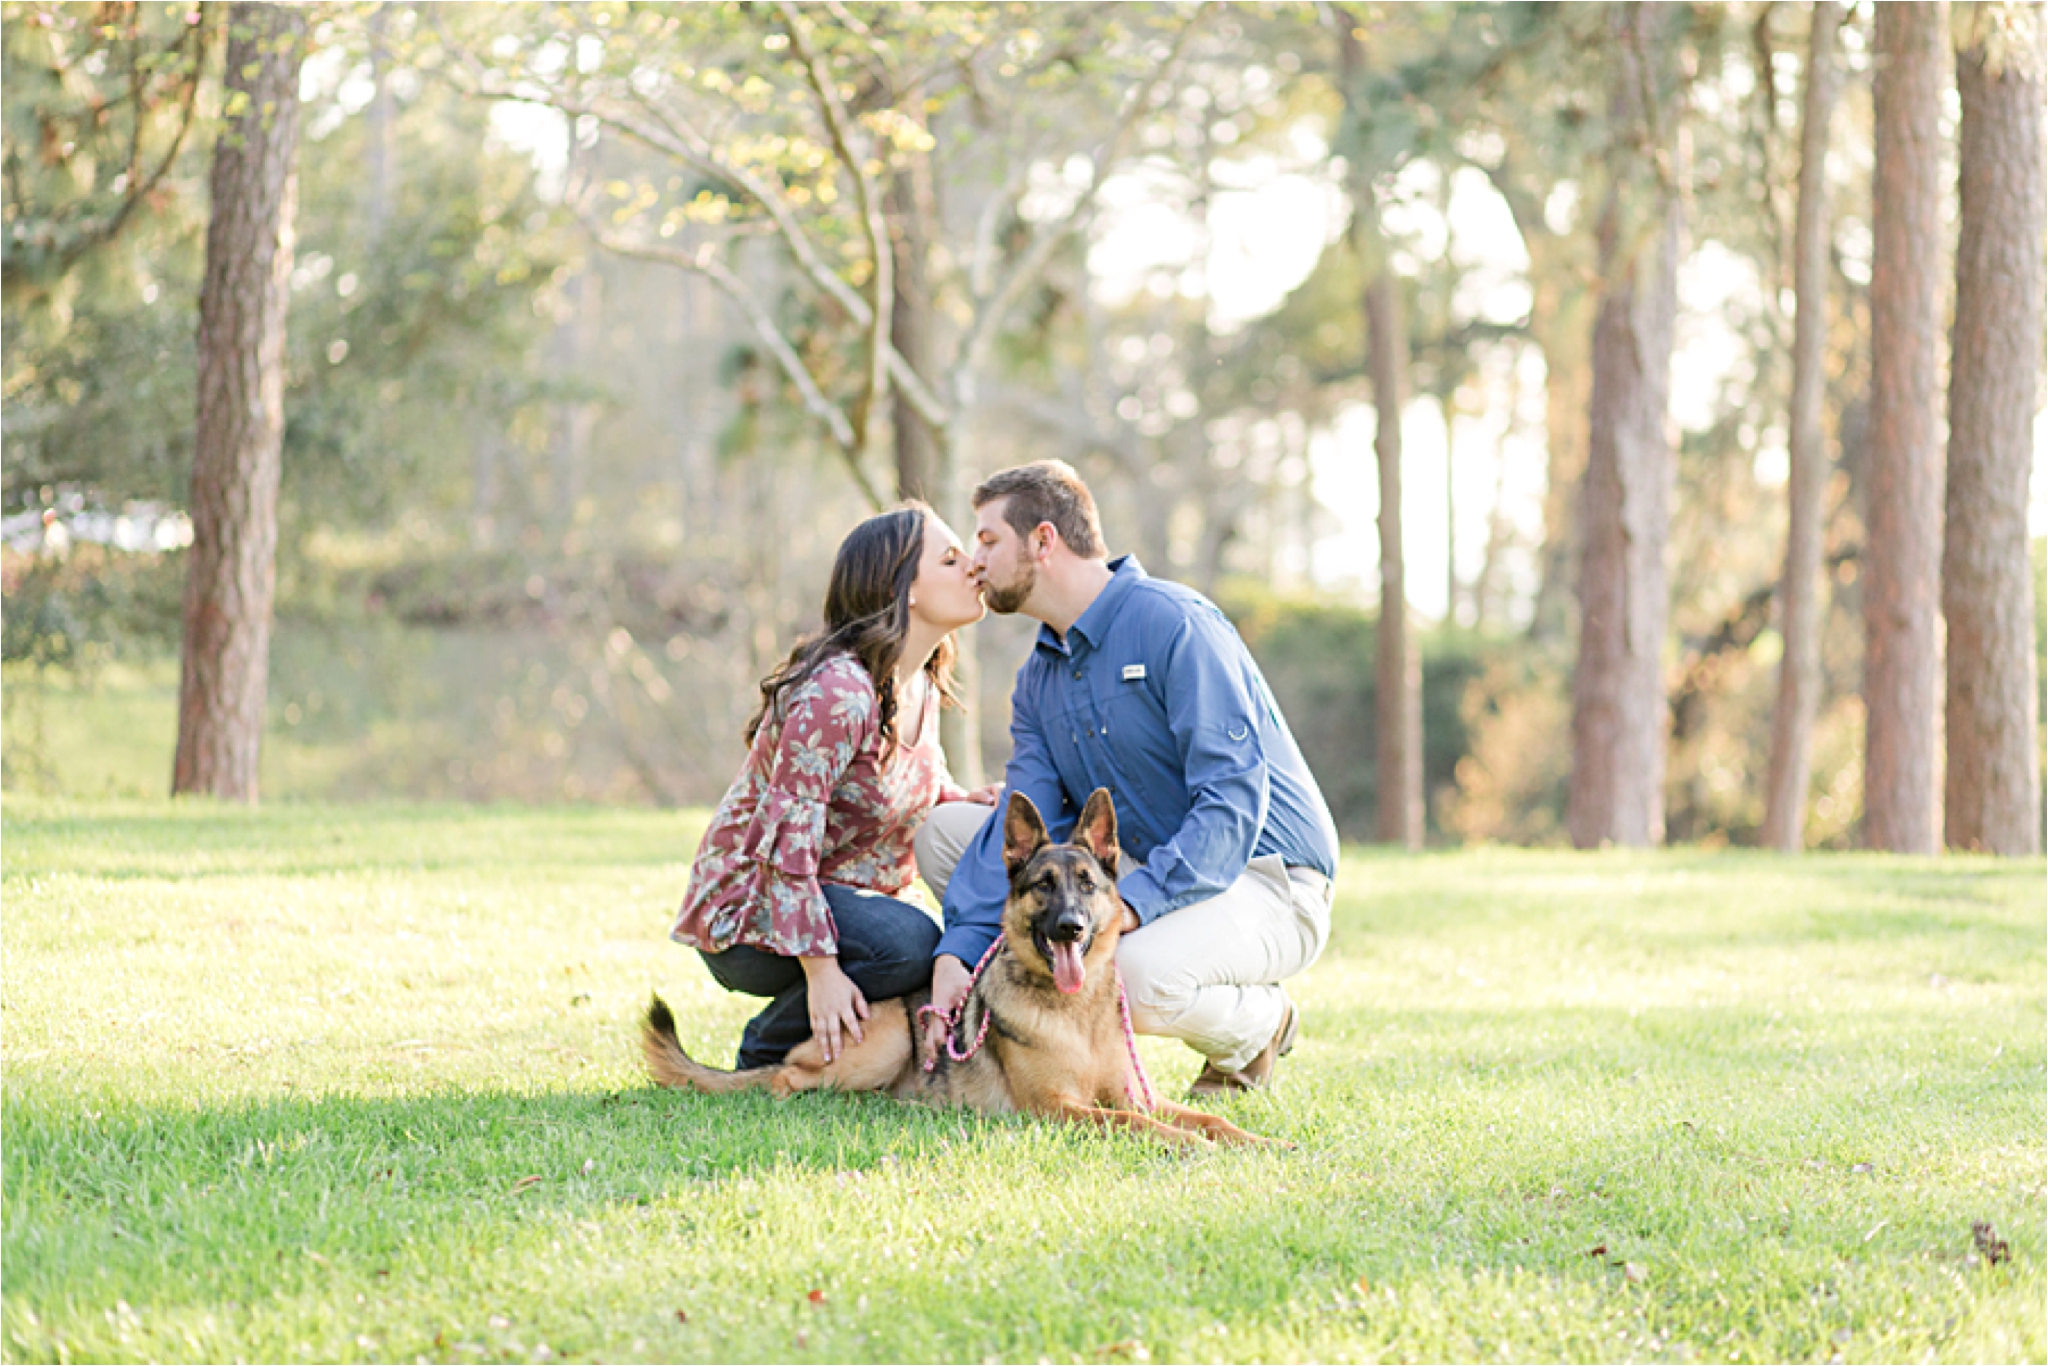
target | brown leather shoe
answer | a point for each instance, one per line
(1215, 1082)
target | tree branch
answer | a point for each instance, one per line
(993, 308)
(679, 139)
(704, 261)
(883, 275)
(691, 147)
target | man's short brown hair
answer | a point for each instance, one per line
(1047, 491)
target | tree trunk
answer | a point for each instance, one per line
(1799, 596)
(1448, 401)
(917, 455)
(1397, 706)
(1560, 321)
(1619, 713)
(1902, 559)
(237, 452)
(1993, 785)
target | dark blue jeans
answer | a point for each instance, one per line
(885, 946)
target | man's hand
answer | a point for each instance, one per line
(1131, 921)
(950, 979)
(836, 1005)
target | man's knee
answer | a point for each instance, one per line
(1159, 991)
(943, 838)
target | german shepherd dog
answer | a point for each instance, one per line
(1041, 1029)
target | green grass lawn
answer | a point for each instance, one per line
(358, 1083)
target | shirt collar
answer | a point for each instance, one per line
(1093, 625)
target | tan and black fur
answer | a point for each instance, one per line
(1049, 1051)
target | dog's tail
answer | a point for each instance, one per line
(669, 1065)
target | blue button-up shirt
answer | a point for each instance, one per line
(1152, 695)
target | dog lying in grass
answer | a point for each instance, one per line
(1044, 1029)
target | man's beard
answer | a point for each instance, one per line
(1009, 598)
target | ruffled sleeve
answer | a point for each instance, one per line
(825, 723)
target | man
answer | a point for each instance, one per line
(1143, 687)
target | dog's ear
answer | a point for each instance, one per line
(1096, 830)
(1023, 833)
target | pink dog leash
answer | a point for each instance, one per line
(1137, 1085)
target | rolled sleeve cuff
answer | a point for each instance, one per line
(967, 942)
(1143, 894)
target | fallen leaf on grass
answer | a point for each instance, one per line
(682, 1316)
(1635, 1271)
(1364, 1285)
(1988, 1242)
(1599, 1251)
(525, 1183)
(1129, 1347)
(816, 1297)
(1862, 1169)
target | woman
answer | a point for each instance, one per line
(794, 891)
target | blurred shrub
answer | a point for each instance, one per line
(90, 605)
(1512, 785)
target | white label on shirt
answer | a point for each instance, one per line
(1133, 672)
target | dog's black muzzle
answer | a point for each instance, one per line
(1065, 927)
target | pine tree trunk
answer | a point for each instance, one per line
(1619, 712)
(231, 579)
(1902, 559)
(1801, 605)
(1993, 789)
(1397, 704)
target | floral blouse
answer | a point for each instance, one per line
(814, 804)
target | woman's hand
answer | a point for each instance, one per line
(986, 796)
(950, 980)
(836, 1005)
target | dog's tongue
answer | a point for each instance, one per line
(1067, 971)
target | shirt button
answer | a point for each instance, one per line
(1077, 675)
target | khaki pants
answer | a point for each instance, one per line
(1207, 974)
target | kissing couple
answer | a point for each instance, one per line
(1134, 684)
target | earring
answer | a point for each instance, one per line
(913, 601)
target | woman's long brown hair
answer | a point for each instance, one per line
(867, 615)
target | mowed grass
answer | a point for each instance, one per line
(359, 1083)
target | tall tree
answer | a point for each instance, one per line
(1397, 705)
(1619, 714)
(232, 577)
(1799, 594)
(1993, 789)
(1397, 667)
(1903, 552)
